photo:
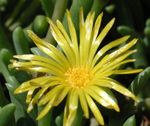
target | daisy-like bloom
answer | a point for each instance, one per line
(78, 71)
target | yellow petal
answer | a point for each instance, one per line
(49, 49)
(107, 61)
(70, 108)
(97, 26)
(62, 29)
(127, 71)
(31, 57)
(35, 99)
(46, 108)
(83, 103)
(107, 97)
(73, 34)
(62, 42)
(95, 110)
(111, 83)
(49, 95)
(29, 96)
(116, 65)
(61, 96)
(109, 46)
(53, 70)
(33, 84)
(85, 37)
(107, 102)
(97, 42)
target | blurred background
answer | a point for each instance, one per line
(18, 16)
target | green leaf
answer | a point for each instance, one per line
(131, 121)
(20, 41)
(75, 8)
(40, 25)
(140, 86)
(48, 7)
(98, 6)
(6, 114)
(59, 120)
(46, 120)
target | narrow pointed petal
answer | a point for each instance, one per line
(46, 108)
(49, 49)
(28, 84)
(107, 62)
(97, 26)
(29, 96)
(61, 96)
(95, 110)
(108, 98)
(72, 32)
(108, 103)
(31, 57)
(127, 71)
(49, 95)
(62, 29)
(97, 42)
(62, 42)
(71, 108)
(110, 83)
(83, 103)
(35, 99)
(109, 46)
(85, 37)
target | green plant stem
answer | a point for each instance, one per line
(98, 5)
(46, 120)
(48, 7)
(58, 14)
(27, 14)
(4, 43)
(15, 13)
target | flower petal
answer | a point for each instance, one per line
(73, 34)
(34, 83)
(85, 37)
(49, 95)
(107, 97)
(62, 42)
(101, 100)
(111, 83)
(102, 67)
(31, 57)
(127, 71)
(70, 108)
(94, 110)
(29, 96)
(62, 95)
(97, 42)
(109, 46)
(46, 108)
(83, 103)
(49, 49)
(35, 99)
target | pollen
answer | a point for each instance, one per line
(78, 77)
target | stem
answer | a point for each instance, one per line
(27, 15)
(15, 13)
(58, 14)
(46, 120)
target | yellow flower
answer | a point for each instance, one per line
(79, 71)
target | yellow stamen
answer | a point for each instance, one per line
(77, 77)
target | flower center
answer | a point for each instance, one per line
(77, 77)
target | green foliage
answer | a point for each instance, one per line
(16, 17)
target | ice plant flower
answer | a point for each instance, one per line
(78, 71)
